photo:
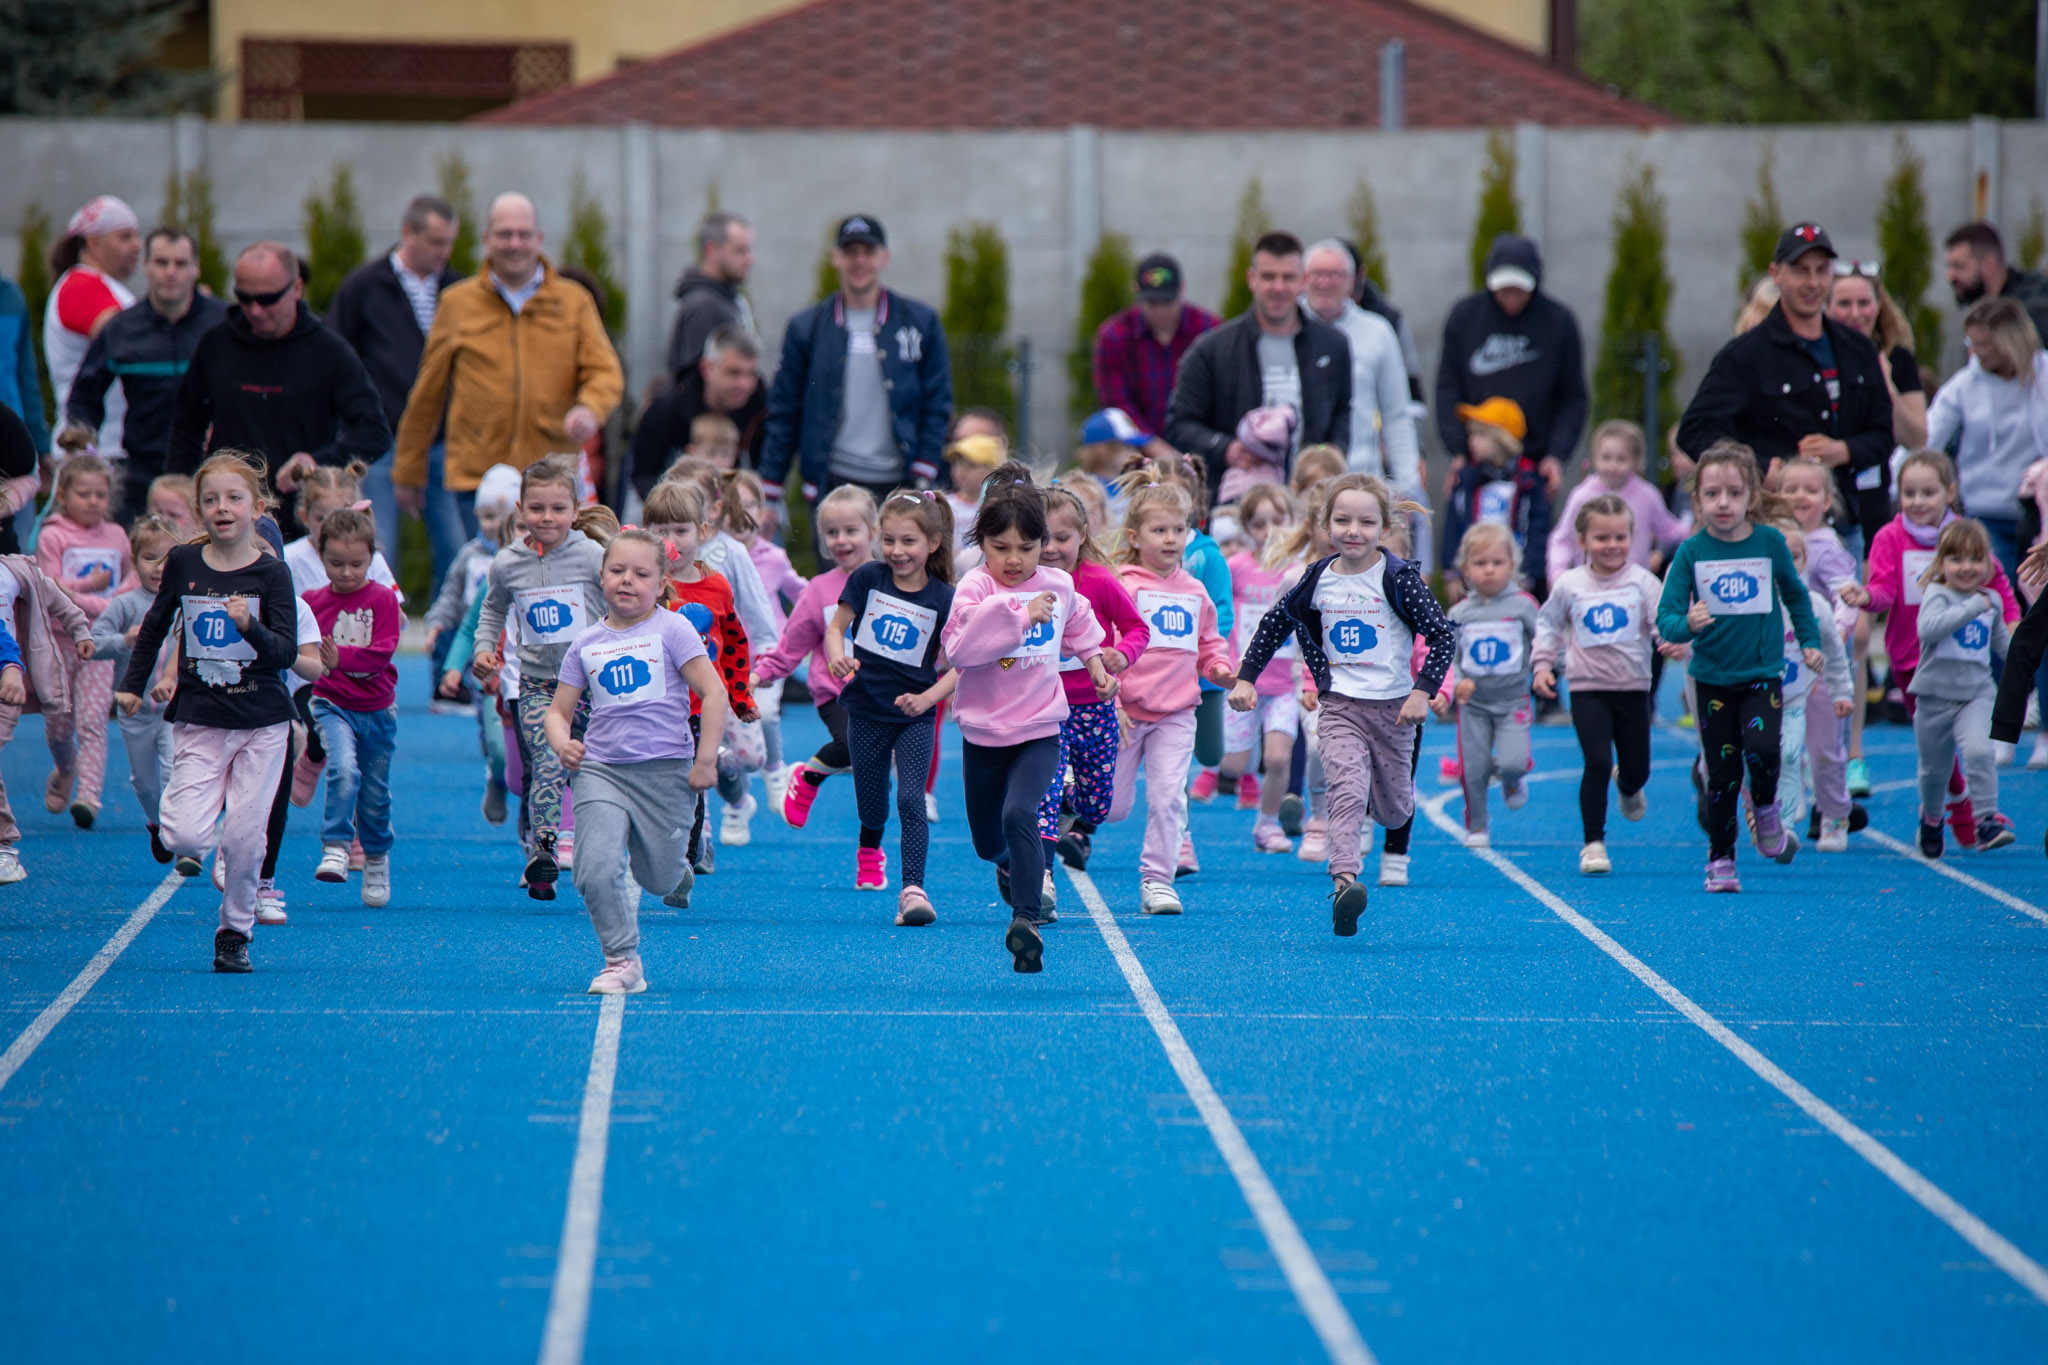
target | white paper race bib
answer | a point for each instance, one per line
(1174, 618)
(626, 672)
(1798, 679)
(896, 629)
(1970, 642)
(1358, 637)
(210, 633)
(1497, 504)
(1912, 564)
(551, 615)
(1042, 638)
(1490, 649)
(1734, 587)
(1607, 618)
(81, 560)
(1250, 615)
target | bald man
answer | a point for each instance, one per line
(518, 356)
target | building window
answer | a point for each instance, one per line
(293, 79)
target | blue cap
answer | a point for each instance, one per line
(267, 528)
(1112, 424)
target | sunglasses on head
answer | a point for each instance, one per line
(1867, 269)
(249, 297)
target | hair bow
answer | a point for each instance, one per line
(669, 548)
(361, 505)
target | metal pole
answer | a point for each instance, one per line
(2041, 59)
(1024, 395)
(1652, 442)
(1393, 79)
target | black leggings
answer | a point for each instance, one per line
(281, 804)
(1738, 728)
(832, 755)
(1614, 730)
(1396, 839)
(872, 743)
(303, 700)
(1005, 783)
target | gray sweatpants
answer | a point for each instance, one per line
(147, 737)
(1490, 743)
(632, 826)
(1940, 727)
(1367, 753)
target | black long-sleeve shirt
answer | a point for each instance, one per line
(2022, 661)
(229, 678)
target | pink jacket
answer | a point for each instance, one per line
(37, 604)
(1257, 590)
(1006, 694)
(60, 538)
(804, 633)
(1893, 590)
(778, 576)
(1185, 641)
(1655, 524)
(1117, 613)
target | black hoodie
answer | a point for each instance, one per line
(705, 303)
(1534, 358)
(303, 391)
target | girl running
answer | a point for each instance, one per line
(1816, 705)
(1727, 584)
(637, 763)
(1961, 625)
(1355, 615)
(1204, 559)
(883, 646)
(89, 557)
(1496, 629)
(1615, 469)
(1012, 621)
(230, 713)
(462, 589)
(1266, 511)
(784, 585)
(145, 734)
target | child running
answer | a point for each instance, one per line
(462, 587)
(1356, 614)
(1496, 630)
(1012, 620)
(747, 506)
(230, 713)
(1961, 625)
(145, 735)
(1264, 735)
(1816, 705)
(89, 557)
(1615, 468)
(39, 618)
(883, 646)
(1722, 596)
(638, 768)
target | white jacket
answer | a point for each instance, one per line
(1380, 415)
(2004, 428)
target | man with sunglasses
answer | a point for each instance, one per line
(271, 379)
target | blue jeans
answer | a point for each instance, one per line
(359, 748)
(445, 533)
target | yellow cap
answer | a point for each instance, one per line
(986, 451)
(1504, 413)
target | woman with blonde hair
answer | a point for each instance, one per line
(1996, 410)
(1859, 299)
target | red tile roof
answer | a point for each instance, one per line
(1220, 64)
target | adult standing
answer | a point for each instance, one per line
(1800, 383)
(98, 251)
(21, 380)
(1369, 296)
(708, 296)
(1512, 340)
(1858, 299)
(519, 359)
(724, 382)
(1138, 351)
(865, 388)
(18, 454)
(1974, 258)
(384, 310)
(1274, 354)
(1382, 426)
(146, 349)
(273, 380)
(1995, 412)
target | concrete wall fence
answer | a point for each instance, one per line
(1053, 193)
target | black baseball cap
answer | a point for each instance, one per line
(860, 227)
(1159, 278)
(1800, 238)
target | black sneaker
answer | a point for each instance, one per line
(156, 846)
(188, 866)
(1027, 949)
(1003, 886)
(494, 803)
(1813, 825)
(1347, 903)
(706, 863)
(83, 813)
(1859, 817)
(1699, 786)
(1074, 850)
(1290, 815)
(542, 870)
(231, 951)
(1930, 840)
(1993, 833)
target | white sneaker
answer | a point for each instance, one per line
(1515, 797)
(931, 808)
(1633, 804)
(1834, 836)
(1593, 860)
(333, 864)
(565, 850)
(1315, 842)
(377, 881)
(1049, 895)
(734, 826)
(2039, 758)
(220, 872)
(621, 977)
(11, 869)
(1157, 898)
(2002, 752)
(777, 782)
(269, 903)
(1393, 869)
(1478, 838)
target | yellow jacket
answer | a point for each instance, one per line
(507, 379)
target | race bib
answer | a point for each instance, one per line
(1357, 637)
(81, 560)
(1497, 503)
(1970, 642)
(1249, 617)
(626, 672)
(1491, 649)
(1607, 618)
(1734, 587)
(1912, 564)
(210, 633)
(551, 615)
(1041, 639)
(1174, 617)
(1798, 679)
(895, 629)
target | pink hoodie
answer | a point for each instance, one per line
(1895, 585)
(1257, 590)
(1115, 611)
(69, 552)
(1184, 642)
(804, 633)
(1010, 688)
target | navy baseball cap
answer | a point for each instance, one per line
(1800, 238)
(860, 227)
(1159, 278)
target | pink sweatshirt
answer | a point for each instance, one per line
(1010, 688)
(69, 552)
(1185, 641)
(1256, 590)
(778, 576)
(1899, 554)
(1118, 615)
(365, 626)
(804, 633)
(1655, 524)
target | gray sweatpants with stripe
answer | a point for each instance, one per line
(632, 832)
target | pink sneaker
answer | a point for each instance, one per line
(1188, 865)
(914, 908)
(565, 850)
(306, 780)
(621, 976)
(1271, 839)
(1248, 792)
(1204, 788)
(871, 870)
(1449, 771)
(1315, 841)
(803, 789)
(355, 856)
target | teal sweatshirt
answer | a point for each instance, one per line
(1744, 582)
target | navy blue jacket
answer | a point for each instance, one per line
(1407, 594)
(21, 384)
(149, 355)
(1529, 519)
(809, 396)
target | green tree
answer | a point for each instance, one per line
(1762, 221)
(33, 275)
(335, 241)
(96, 57)
(588, 246)
(1253, 222)
(1906, 247)
(828, 273)
(188, 204)
(977, 320)
(2032, 243)
(1362, 216)
(452, 178)
(1106, 290)
(1498, 211)
(1637, 306)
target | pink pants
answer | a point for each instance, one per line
(78, 738)
(217, 772)
(1824, 752)
(1165, 747)
(10, 833)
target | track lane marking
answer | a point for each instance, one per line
(568, 1320)
(1913, 855)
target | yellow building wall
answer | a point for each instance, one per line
(1525, 23)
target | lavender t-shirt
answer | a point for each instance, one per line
(639, 703)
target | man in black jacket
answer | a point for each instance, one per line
(1273, 355)
(1800, 383)
(725, 382)
(384, 310)
(146, 348)
(708, 296)
(272, 380)
(1512, 340)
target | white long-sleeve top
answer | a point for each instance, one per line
(1380, 411)
(2004, 428)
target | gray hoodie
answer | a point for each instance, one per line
(1959, 633)
(545, 622)
(1497, 662)
(110, 634)
(724, 555)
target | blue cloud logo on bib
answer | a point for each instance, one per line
(1735, 587)
(899, 632)
(1174, 620)
(1605, 618)
(1038, 636)
(624, 675)
(1489, 651)
(549, 616)
(214, 628)
(699, 615)
(1353, 637)
(1973, 635)
(1791, 673)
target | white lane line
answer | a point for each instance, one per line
(1972, 1229)
(53, 1014)
(568, 1319)
(1912, 854)
(1312, 1289)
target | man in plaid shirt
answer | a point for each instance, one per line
(1138, 351)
